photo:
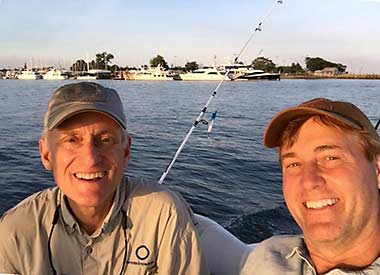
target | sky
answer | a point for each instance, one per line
(57, 33)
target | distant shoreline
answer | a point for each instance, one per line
(340, 76)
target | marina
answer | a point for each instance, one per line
(196, 125)
(228, 176)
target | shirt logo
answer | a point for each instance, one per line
(142, 252)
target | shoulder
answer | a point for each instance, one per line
(279, 247)
(283, 244)
(31, 210)
(24, 226)
(155, 201)
(275, 253)
(153, 192)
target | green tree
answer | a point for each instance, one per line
(316, 63)
(265, 64)
(102, 60)
(79, 66)
(92, 65)
(293, 69)
(191, 66)
(114, 68)
(159, 61)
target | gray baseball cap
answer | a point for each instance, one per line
(75, 98)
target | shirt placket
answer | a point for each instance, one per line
(90, 265)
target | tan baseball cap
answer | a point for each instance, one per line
(342, 111)
(75, 98)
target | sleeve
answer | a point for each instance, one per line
(8, 252)
(180, 251)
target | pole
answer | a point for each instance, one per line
(203, 111)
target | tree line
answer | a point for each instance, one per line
(103, 60)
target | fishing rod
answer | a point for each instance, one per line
(203, 111)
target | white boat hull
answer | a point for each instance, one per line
(86, 77)
(55, 74)
(29, 75)
(204, 74)
(148, 77)
(194, 77)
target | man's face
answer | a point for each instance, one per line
(87, 156)
(330, 187)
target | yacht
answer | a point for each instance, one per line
(245, 72)
(55, 74)
(156, 73)
(29, 75)
(259, 75)
(95, 74)
(205, 74)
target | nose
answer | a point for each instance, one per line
(312, 176)
(90, 154)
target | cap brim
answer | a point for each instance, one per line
(278, 124)
(68, 110)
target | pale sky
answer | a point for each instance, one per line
(46, 32)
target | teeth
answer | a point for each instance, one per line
(90, 176)
(320, 204)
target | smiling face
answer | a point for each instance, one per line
(330, 187)
(87, 154)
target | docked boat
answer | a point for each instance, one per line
(259, 75)
(29, 75)
(95, 74)
(205, 74)
(156, 73)
(55, 74)
(246, 72)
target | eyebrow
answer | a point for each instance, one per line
(316, 150)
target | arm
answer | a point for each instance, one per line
(8, 251)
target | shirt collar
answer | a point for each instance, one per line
(302, 253)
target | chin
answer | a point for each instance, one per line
(322, 233)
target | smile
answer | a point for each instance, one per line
(90, 176)
(320, 204)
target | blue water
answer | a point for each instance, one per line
(229, 177)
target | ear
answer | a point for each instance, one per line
(45, 154)
(127, 150)
(377, 162)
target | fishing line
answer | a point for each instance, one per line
(203, 111)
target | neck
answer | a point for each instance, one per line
(90, 218)
(353, 255)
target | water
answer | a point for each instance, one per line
(230, 178)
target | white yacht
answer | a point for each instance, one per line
(29, 75)
(205, 74)
(156, 73)
(55, 74)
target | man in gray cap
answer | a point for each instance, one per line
(329, 154)
(96, 221)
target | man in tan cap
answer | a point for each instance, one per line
(96, 221)
(330, 159)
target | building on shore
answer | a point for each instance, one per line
(328, 72)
